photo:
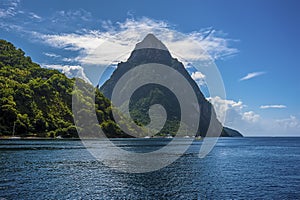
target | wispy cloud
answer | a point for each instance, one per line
(118, 40)
(69, 15)
(272, 106)
(51, 55)
(11, 9)
(14, 18)
(34, 16)
(12, 13)
(252, 75)
(8, 8)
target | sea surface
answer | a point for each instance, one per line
(237, 168)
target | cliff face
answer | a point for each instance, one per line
(151, 50)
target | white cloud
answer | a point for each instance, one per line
(272, 106)
(250, 123)
(116, 42)
(34, 16)
(68, 15)
(67, 59)
(70, 71)
(291, 122)
(51, 55)
(223, 106)
(8, 8)
(232, 114)
(250, 116)
(198, 77)
(251, 75)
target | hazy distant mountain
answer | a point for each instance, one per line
(151, 50)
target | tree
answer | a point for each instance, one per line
(8, 114)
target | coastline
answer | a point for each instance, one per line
(58, 139)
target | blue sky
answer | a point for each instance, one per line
(253, 43)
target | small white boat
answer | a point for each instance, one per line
(198, 138)
(14, 137)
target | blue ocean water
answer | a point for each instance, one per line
(237, 168)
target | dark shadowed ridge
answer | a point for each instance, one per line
(152, 50)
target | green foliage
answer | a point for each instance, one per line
(147, 95)
(38, 102)
(156, 94)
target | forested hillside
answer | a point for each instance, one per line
(37, 102)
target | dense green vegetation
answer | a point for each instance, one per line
(156, 94)
(147, 95)
(151, 94)
(37, 102)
